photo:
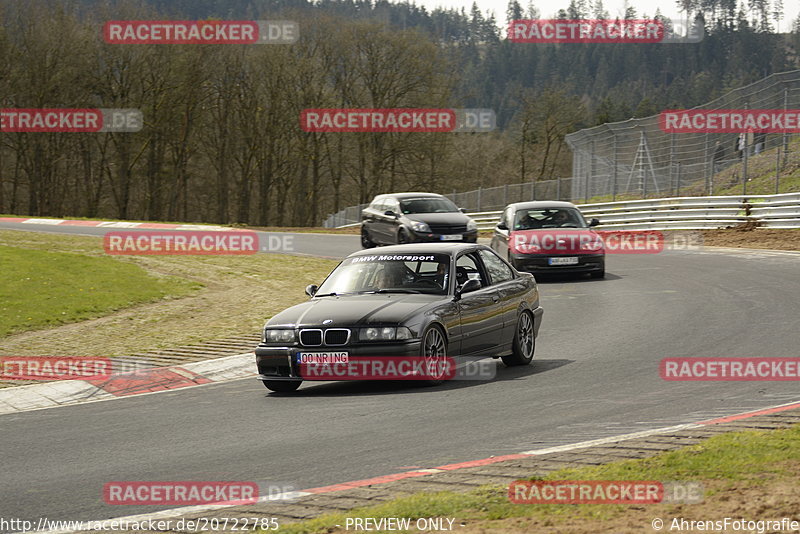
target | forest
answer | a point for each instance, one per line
(222, 141)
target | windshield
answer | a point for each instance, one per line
(534, 219)
(390, 273)
(427, 205)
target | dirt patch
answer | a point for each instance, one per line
(749, 236)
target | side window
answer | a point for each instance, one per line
(392, 204)
(498, 270)
(467, 267)
(506, 217)
(377, 204)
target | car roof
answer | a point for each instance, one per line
(542, 204)
(408, 195)
(420, 248)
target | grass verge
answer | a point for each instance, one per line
(741, 471)
(236, 295)
(40, 288)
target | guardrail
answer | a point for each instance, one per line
(685, 213)
(681, 213)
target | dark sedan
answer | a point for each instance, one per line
(426, 300)
(549, 237)
(413, 218)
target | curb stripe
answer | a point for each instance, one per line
(478, 463)
(747, 415)
(368, 482)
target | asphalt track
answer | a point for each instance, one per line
(595, 375)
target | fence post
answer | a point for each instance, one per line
(558, 189)
(671, 160)
(678, 183)
(777, 169)
(479, 199)
(744, 161)
(785, 146)
(590, 175)
(614, 174)
(711, 159)
(744, 165)
(505, 196)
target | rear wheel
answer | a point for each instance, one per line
(524, 342)
(434, 351)
(366, 242)
(282, 386)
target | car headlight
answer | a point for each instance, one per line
(279, 335)
(595, 245)
(420, 227)
(384, 333)
(471, 225)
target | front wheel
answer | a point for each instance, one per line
(402, 238)
(366, 242)
(524, 342)
(434, 351)
(282, 386)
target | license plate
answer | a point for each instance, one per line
(451, 237)
(323, 357)
(572, 260)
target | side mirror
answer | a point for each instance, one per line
(468, 287)
(462, 210)
(311, 290)
(390, 213)
(594, 222)
(502, 226)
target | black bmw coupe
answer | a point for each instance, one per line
(423, 300)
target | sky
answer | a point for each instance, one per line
(548, 8)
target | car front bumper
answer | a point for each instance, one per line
(279, 363)
(538, 264)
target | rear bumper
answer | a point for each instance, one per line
(466, 237)
(538, 264)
